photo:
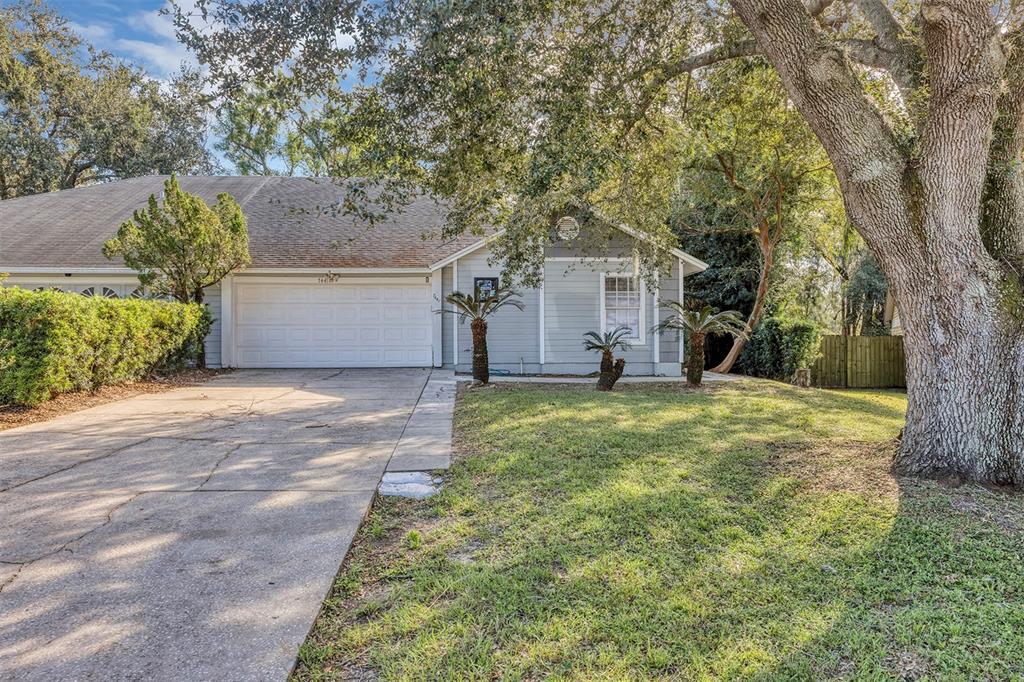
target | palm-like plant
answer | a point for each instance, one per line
(477, 309)
(698, 324)
(607, 343)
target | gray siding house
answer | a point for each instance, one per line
(324, 290)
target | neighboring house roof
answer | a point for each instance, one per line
(66, 229)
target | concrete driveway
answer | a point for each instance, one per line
(192, 535)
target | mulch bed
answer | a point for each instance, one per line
(12, 416)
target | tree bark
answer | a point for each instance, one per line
(695, 359)
(920, 212)
(738, 343)
(611, 371)
(481, 370)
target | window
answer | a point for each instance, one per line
(622, 304)
(106, 292)
(485, 287)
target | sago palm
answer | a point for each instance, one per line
(607, 343)
(477, 309)
(698, 324)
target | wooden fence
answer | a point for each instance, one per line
(860, 362)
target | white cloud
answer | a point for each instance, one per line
(143, 38)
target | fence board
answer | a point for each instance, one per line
(860, 362)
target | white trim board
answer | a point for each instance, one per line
(697, 264)
(448, 260)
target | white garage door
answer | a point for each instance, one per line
(333, 325)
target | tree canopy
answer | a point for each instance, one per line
(71, 115)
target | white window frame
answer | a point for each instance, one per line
(642, 340)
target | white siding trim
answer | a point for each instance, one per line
(455, 318)
(227, 321)
(681, 339)
(540, 307)
(436, 296)
(584, 259)
(656, 340)
(454, 258)
(74, 270)
(339, 271)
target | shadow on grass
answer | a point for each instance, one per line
(739, 532)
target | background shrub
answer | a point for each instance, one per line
(780, 346)
(52, 342)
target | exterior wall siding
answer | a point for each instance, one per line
(512, 335)
(572, 307)
(212, 299)
(669, 291)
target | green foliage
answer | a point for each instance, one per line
(181, 246)
(53, 342)
(607, 342)
(864, 299)
(74, 115)
(264, 129)
(703, 321)
(477, 307)
(730, 283)
(780, 346)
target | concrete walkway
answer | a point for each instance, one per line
(192, 535)
(710, 377)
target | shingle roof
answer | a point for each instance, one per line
(68, 228)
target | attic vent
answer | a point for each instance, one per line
(568, 228)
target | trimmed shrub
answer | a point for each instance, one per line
(780, 346)
(53, 342)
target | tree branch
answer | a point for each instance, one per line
(869, 162)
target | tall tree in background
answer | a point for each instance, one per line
(70, 115)
(513, 107)
(264, 129)
(752, 154)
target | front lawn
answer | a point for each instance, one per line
(746, 531)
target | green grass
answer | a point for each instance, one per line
(746, 532)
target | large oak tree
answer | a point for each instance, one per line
(515, 109)
(71, 115)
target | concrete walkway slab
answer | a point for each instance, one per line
(192, 534)
(426, 442)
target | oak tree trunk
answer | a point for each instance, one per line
(695, 360)
(481, 371)
(965, 387)
(944, 218)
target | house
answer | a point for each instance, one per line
(325, 290)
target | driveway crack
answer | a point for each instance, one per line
(216, 465)
(65, 547)
(76, 464)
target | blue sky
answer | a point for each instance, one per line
(132, 29)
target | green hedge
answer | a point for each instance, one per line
(780, 346)
(52, 342)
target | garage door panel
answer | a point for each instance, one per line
(333, 325)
